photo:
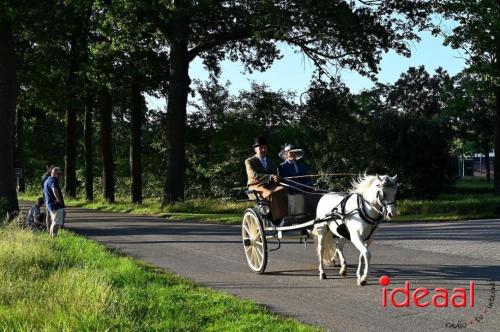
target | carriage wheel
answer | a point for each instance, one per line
(254, 241)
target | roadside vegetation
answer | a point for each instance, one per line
(73, 284)
(212, 210)
(468, 198)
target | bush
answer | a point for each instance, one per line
(417, 149)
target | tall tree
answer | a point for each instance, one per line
(136, 121)
(414, 131)
(79, 13)
(346, 34)
(418, 92)
(71, 112)
(89, 148)
(132, 56)
(478, 34)
(106, 112)
(473, 109)
(8, 98)
(42, 72)
(19, 147)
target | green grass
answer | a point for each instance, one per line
(73, 284)
(468, 198)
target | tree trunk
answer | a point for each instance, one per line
(135, 143)
(108, 179)
(486, 151)
(19, 149)
(70, 148)
(89, 160)
(8, 100)
(176, 109)
(496, 166)
(496, 84)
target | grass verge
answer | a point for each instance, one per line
(212, 210)
(73, 284)
(468, 198)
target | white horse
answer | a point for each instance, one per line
(354, 217)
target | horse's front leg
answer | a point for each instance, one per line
(364, 255)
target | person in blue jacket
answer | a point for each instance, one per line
(292, 166)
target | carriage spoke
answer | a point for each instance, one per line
(261, 253)
(246, 229)
(258, 258)
(254, 257)
(253, 231)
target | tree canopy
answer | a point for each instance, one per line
(77, 71)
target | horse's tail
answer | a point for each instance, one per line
(329, 249)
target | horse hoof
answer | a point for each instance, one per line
(322, 276)
(363, 283)
(343, 273)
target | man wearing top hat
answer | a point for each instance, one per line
(261, 173)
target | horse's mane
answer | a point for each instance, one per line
(362, 183)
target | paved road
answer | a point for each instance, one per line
(429, 255)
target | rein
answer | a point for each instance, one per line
(361, 201)
(319, 175)
(317, 190)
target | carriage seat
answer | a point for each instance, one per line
(301, 208)
(296, 205)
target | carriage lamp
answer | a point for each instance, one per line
(265, 209)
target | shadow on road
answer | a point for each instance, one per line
(435, 274)
(457, 231)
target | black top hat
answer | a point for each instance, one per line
(259, 141)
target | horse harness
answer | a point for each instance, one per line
(339, 214)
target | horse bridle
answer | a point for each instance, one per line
(384, 203)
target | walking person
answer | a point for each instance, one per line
(45, 176)
(54, 200)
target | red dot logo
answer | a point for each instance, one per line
(384, 280)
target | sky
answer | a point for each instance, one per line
(293, 72)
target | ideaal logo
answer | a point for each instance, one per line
(439, 298)
(423, 297)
